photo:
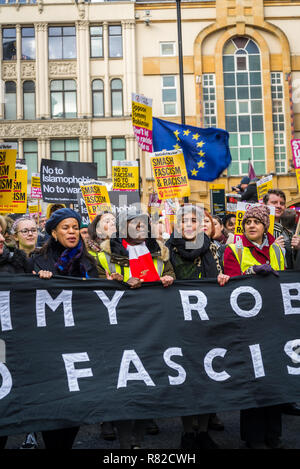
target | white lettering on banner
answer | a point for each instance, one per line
(73, 374)
(6, 381)
(289, 349)
(208, 359)
(175, 380)
(44, 298)
(5, 311)
(199, 306)
(124, 375)
(241, 312)
(111, 305)
(257, 361)
(287, 298)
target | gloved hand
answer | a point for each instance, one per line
(264, 269)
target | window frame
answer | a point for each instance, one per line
(65, 151)
(109, 41)
(169, 102)
(62, 36)
(24, 37)
(100, 150)
(64, 92)
(97, 36)
(112, 92)
(93, 97)
(34, 98)
(161, 48)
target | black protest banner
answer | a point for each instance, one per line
(121, 201)
(60, 179)
(81, 352)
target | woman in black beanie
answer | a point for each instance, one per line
(63, 254)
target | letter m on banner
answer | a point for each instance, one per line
(44, 298)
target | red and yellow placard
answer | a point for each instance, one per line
(96, 198)
(8, 155)
(19, 193)
(170, 174)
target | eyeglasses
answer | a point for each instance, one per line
(25, 232)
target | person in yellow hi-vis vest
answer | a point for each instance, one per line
(258, 254)
(134, 258)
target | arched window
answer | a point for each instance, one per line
(29, 99)
(98, 98)
(243, 95)
(116, 97)
(63, 99)
(10, 107)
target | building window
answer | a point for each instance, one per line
(167, 49)
(98, 98)
(29, 99)
(30, 151)
(169, 95)
(9, 43)
(10, 106)
(209, 100)
(115, 41)
(63, 99)
(118, 148)
(278, 122)
(96, 38)
(244, 105)
(99, 156)
(62, 42)
(65, 150)
(116, 97)
(28, 44)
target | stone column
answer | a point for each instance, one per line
(130, 67)
(83, 69)
(20, 149)
(126, 67)
(107, 100)
(42, 72)
(108, 157)
(18, 70)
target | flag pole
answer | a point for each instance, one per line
(180, 59)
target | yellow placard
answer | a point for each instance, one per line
(141, 115)
(33, 208)
(125, 177)
(35, 182)
(170, 174)
(298, 178)
(8, 155)
(96, 199)
(19, 202)
(217, 186)
(262, 186)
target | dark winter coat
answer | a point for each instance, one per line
(47, 257)
(14, 261)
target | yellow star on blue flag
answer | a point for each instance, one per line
(211, 144)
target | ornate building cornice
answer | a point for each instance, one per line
(28, 70)
(45, 130)
(62, 69)
(9, 71)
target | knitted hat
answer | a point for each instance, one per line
(60, 215)
(261, 213)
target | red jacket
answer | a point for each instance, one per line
(232, 266)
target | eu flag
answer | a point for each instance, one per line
(206, 151)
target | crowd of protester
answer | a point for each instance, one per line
(141, 250)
